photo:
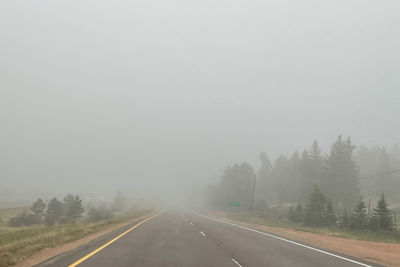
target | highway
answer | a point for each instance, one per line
(173, 238)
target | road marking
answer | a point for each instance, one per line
(237, 263)
(203, 233)
(191, 224)
(110, 242)
(286, 240)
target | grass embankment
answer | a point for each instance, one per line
(19, 243)
(387, 237)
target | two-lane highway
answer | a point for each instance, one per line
(191, 239)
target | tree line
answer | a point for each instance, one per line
(66, 211)
(294, 179)
(319, 212)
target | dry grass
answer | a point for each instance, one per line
(19, 243)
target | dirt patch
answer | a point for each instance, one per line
(48, 253)
(387, 254)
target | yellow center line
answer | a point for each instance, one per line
(110, 242)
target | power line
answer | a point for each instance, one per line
(336, 183)
(380, 137)
(378, 174)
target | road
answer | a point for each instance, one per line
(174, 238)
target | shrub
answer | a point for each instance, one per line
(99, 214)
(25, 219)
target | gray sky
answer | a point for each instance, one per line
(151, 96)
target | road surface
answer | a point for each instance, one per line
(191, 239)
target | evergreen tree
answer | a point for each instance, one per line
(344, 220)
(291, 216)
(359, 218)
(382, 219)
(296, 214)
(55, 209)
(315, 208)
(38, 207)
(236, 185)
(73, 207)
(342, 173)
(299, 213)
(261, 208)
(330, 217)
(264, 175)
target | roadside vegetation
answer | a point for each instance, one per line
(51, 223)
(318, 193)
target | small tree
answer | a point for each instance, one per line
(344, 220)
(315, 208)
(38, 207)
(73, 207)
(261, 208)
(382, 219)
(55, 209)
(359, 218)
(299, 213)
(291, 216)
(296, 214)
(330, 217)
(96, 214)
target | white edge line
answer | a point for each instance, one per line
(237, 263)
(203, 233)
(286, 240)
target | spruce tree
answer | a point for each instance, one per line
(55, 210)
(73, 207)
(342, 173)
(330, 217)
(344, 220)
(38, 207)
(359, 218)
(299, 214)
(315, 208)
(382, 219)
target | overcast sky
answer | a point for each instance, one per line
(152, 96)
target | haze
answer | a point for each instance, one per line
(155, 98)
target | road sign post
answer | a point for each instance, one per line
(235, 204)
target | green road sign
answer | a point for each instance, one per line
(233, 204)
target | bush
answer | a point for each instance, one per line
(25, 219)
(99, 214)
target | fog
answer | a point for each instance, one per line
(156, 98)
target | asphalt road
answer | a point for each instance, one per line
(190, 239)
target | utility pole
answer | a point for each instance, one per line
(253, 195)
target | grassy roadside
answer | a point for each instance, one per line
(336, 232)
(19, 243)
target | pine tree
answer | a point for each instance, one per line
(55, 210)
(299, 213)
(344, 220)
(291, 214)
(330, 217)
(315, 208)
(342, 173)
(382, 219)
(73, 207)
(359, 218)
(38, 207)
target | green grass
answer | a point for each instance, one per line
(20, 242)
(386, 237)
